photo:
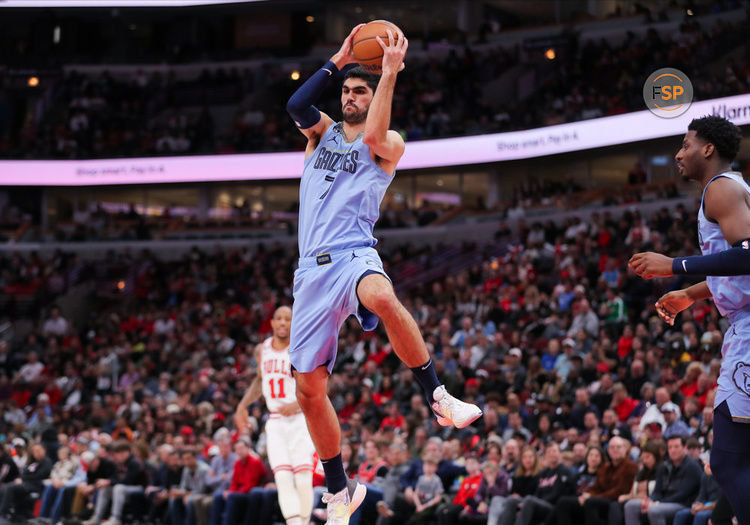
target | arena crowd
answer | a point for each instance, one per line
(440, 94)
(594, 409)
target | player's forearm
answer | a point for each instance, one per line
(251, 396)
(379, 114)
(300, 105)
(698, 291)
(734, 261)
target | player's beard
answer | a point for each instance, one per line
(357, 117)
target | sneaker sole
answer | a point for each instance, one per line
(464, 424)
(442, 421)
(357, 498)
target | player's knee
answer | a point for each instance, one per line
(308, 395)
(383, 303)
(284, 481)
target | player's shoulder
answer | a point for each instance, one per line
(727, 178)
(725, 187)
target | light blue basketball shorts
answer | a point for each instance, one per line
(325, 295)
(734, 378)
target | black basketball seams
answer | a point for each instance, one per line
(365, 40)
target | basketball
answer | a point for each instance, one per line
(366, 49)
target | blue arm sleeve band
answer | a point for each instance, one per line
(734, 261)
(300, 105)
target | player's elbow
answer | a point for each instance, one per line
(293, 106)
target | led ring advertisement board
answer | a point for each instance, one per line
(478, 149)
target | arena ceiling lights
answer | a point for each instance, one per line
(118, 3)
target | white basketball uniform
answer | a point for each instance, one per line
(288, 442)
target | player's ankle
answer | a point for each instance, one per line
(335, 473)
(426, 376)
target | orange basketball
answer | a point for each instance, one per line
(366, 49)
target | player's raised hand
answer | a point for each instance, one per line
(649, 265)
(672, 303)
(393, 52)
(345, 55)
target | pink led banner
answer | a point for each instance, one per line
(577, 136)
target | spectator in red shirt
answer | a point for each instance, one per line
(621, 403)
(689, 385)
(394, 418)
(625, 343)
(448, 513)
(248, 473)
(348, 409)
(373, 465)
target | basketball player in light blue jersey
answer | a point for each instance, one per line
(348, 167)
(707, 152)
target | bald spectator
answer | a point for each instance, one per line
(612, 479)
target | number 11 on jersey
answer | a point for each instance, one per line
(280, 393)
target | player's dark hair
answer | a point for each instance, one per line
(371, 79)
(718, 131)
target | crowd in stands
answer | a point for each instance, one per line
(576, 88)
(594, 408)
(94, 222)
(84, 116)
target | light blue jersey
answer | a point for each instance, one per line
(731, 296)
(340, 195)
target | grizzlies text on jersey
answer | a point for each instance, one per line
(340, 195)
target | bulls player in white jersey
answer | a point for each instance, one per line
(290, 448)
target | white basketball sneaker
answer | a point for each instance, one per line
(343, 504)
(452, 411)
